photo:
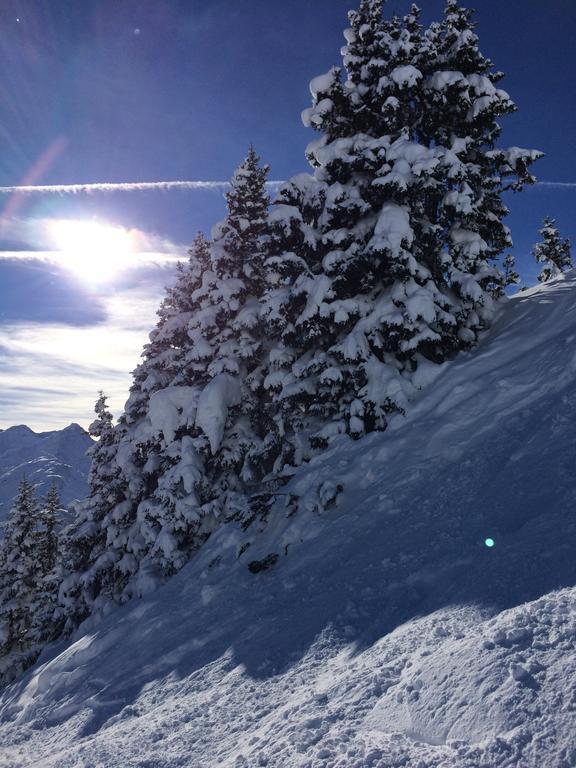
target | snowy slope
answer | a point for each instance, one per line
(389, 635)
(44, 458)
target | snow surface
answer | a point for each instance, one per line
(387, 634)
(44, 458)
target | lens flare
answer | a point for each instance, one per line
(94, 251)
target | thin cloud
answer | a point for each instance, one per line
(165, 186)
(143, 186)
(34, 234)
(141, 258)
(31, 242)
(73, 363)
(557, 184)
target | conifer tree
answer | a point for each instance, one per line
(20, 573)
(384, 259)
(511, 276)
(161, 357)
(48, 517)
(29, 580)
(235, 334)
(192, 435)
(46, 618)
(215, 433)
(553, 252)
(463, 105)
(87, 558)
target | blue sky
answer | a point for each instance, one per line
(145, 90)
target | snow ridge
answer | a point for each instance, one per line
(47, 457)
(390, 635)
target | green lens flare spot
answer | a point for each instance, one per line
(489, 543)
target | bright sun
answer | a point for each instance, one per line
(93, 251)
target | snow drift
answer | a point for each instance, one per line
(387, 634)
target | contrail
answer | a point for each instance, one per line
(142, 186)
(558, 184)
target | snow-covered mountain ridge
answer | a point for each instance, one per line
(44, 458)
(388, 634)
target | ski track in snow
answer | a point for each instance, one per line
(389, 635)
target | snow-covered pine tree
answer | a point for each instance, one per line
(212, 434)
(191, 435)
(29, 580)
(462, 106)
(87, 557)
(161, 357)
(243, 441)
(46, 618)
(101, 550)
(511, 276)
(140, 455)
(382, 260)
(553, 252)
(20, 574)
(50, 510)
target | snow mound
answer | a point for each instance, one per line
(475, 680)
(387, 633)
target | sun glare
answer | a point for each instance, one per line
(95, 252)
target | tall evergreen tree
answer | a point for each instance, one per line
(161, 357)
(208, 422)
(46, 618)
(48, 517)
(385, 258)
(101, 552)
(463, 104)
(87, 560)
(176, 465)
(29, 581)
(553, 252)
(20, 573)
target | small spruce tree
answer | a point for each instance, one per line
(20, 575)
(511, 276)
(87, 552)
(47, 620)
(50, 511)
(553, 252)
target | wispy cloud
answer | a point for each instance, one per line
(557, 184)
(31, 246)
(50, 373)
(57, 258)
(165, 186)
(35, 234)
(141, 186)
(62, 338)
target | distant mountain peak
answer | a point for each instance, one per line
(44, 458)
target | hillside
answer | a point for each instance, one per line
(44, 458)
(388, 634)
